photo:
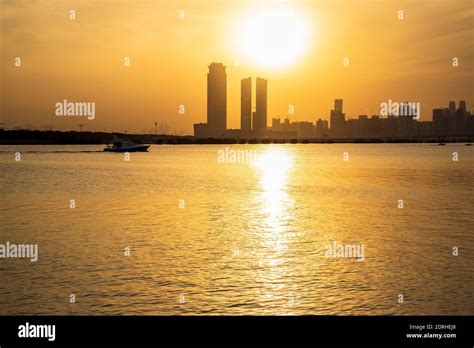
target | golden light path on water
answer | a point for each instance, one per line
(274, 165)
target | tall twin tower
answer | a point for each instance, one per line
(256, 121)
(217, 105)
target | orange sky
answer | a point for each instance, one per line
(82, 59)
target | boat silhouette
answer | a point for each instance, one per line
(123, 145)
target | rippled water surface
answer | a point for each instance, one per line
(239, 238)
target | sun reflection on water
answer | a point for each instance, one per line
(274, 166)
(274, 223)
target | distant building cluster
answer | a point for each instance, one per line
(453, 121)
(450, 121)
(446, 122)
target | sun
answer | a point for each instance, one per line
(273, 37)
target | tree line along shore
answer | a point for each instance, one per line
(36, 137)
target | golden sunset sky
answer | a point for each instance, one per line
(83, 59)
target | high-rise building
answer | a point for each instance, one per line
(216, 100)
(260, 118)
(337, 120)
(276, 123)
(452, 107)
(338, 105)
(441, 124)
(322, 128)
(462, 106)
(461, 119)
(246, 104)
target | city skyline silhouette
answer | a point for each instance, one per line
(311, 54)
(401, 121)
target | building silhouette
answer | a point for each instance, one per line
(338, 105)
(260, 115)
(452, 107)
(446, 122)
(337, 120)
(452, 122)
(216, 100)
(216, 125)
(322, 128)
(246, 105)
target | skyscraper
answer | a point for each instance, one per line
(451, 119)
(452, 107)
(216, 100)
(338, 119)
(462, 106)
(260, 117)
(338, 105)
(461, 119)
(246, 104)
(441, 124)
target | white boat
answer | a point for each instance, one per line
(119, 145)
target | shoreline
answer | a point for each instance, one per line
(28, 137)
